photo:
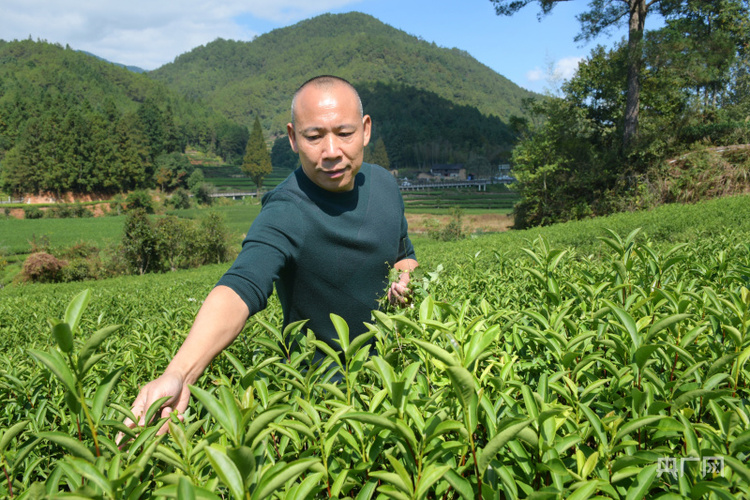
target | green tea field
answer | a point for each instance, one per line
(605, 358)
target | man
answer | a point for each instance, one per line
(326, 237)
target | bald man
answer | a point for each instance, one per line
(327, 237)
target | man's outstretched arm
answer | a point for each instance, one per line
(218, 322)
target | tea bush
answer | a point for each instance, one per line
(531, 370)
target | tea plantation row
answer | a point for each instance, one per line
(568, 362)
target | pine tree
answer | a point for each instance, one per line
(379, 154)
(257, 161)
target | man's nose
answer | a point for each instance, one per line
(331, 147)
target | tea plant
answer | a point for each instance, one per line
(538, 372)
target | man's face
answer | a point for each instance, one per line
(330, 135)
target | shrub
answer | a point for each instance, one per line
(176, 242)
(139, 242)
(140, 199)
(82, 250)
(180, 199)
(213, 240)
(42, 267)
(453, 230)
(203, 192)
(32, 213)
(79, 270)
(40, 244)
(81, 211)
(195, 180)
(116, 205)
(61, 211)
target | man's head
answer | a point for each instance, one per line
(329, 132)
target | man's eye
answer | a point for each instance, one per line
(312, 137)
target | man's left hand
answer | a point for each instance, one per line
(399, 292)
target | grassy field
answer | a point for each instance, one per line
(17, 235)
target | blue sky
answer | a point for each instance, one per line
(149, 34)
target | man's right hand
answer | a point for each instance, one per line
(219, 321)
(169, 384)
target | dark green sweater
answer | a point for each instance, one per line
(326, 252)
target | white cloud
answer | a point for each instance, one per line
(565, 68)
(535, 75)
(146, 33)
(556, 71)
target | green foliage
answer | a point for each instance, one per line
(257, 161)
(570, 165)
(140, 242)
(70, 122)
(170, 243)
(282, 155)
(180, 199)
(377, 154)
(140, 200)
(443, 97)
(214, 240)
(32, 213)
(172, 171)
(453, 230)
(195, 179)
(528, 368)
(203, 192)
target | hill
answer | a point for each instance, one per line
(71, 122)
(434, 91)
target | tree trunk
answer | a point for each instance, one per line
(638, 10)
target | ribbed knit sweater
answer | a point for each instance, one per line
(326, 252)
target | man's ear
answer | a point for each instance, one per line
(292, 138)
(367, 126)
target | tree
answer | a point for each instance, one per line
(257, 160)
(379, 155)
(602, 15)
(140, 242)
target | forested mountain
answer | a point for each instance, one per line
(72, 122)
(419, 95)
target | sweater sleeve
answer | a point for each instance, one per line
(271, 242)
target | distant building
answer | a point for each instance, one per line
(454, 171)
(504, 174)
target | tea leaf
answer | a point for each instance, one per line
(56, 364)
(10, 433)
(437, 352)
(508, 433)
(642, 484)
(463, 384)
(585, 490)
(273, 480)
(72, 445)
(227, 471)
(636, 424)
(75, 309)
(92, 343)
(87, 470)
(102, 393)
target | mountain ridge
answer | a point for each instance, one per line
(355, 46)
